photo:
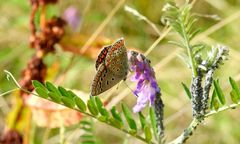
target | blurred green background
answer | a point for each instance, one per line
(218, 19)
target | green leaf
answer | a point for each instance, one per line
(100, 107)
(116, 123)
(86, 126)
(214, 104)
(235, 87)
(187, 90)
(56, 98)
(129, 118)
(212, 99)
(87, 136)
(219, 92)
(64, 92)
(102, 118)
(142, 120)
(98, 102)
(36, 84)
(52, 88)
(153, 121)
(87, 129)
(197, 48)
(68, 102)
(191, 22)
(80, 104)
(41, 92)
(177, 44)
(104, 112)
(234, 96)
(71, 94)
(115, 114)
(85, 122)
(148, 134)
(194, 33)
(92, 107)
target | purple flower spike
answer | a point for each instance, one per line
(147, 87)
(71, 15)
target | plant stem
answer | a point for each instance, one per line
(8, 92)
(193, 125)
(224, 108)
(189, 50)
(186, 133)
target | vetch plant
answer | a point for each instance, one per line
(147, 88)
(183, 23)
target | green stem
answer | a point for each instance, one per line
(8, 92)
(189, 50)
(224, 108)
(187, 133)
(193, 125)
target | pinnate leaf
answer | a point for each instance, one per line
(115, 114)
(41, 92)
(80, 104)
(55, 97)
(219, 92)
(148, 134)
(38, 84)
(129, 118)
(68, 102)
(187, 90)
(92, 107)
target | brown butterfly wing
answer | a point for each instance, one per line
(103, 80)
(102, 55)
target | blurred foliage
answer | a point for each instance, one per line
(15, 53)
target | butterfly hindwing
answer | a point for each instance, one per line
(103, 80)
(102, 55)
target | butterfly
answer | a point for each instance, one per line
(112, 67)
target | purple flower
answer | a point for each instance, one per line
(71, 15)
(147, 86)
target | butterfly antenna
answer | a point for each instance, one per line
(130, 89)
